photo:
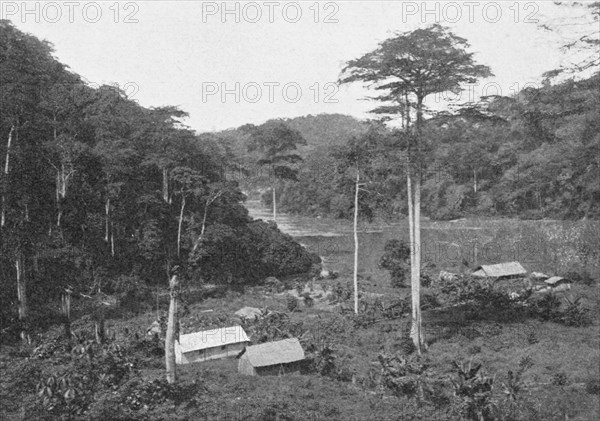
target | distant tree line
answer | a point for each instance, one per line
(534, 155)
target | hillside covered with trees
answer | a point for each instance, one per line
(534, 155)
(100, 194)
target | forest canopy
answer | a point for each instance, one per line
(533, 155)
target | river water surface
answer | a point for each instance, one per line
(544, 245)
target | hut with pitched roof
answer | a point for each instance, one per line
(212, 344)
(272, 358)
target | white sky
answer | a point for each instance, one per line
(179, 51)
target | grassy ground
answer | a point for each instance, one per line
(559, 385)
(565, 360)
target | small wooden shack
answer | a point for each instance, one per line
(558, 283)
(500, 270)
(272, 358)
(212, 344)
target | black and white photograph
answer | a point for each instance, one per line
(348, 210)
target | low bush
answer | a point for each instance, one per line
(514, 384)
(403, 376)
(327, 361)
(90, 368)
(340, 293)
(151, 394)
(473, 391)
(273, 326)
(560, 379)
(548, 308)
(292, 303)
(395, 259)
(429, 301)
(592, 386)
(582, 277)
(575, 314)
(308, 300)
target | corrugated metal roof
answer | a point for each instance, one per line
(271, 353)
(500, 269)
(555, 280)
(212, 338)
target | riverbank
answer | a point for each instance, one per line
(556, 247)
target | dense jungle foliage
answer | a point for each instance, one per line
(533, 155)
(101, 194)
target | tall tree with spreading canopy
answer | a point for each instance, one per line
(275, 141)
(407, 69)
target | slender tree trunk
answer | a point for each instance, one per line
(180, 224)
(413, 184)
(199, 240)
(209, 201)
(8, 145)
(416, 330)
(356, 243)
(6, 173)
(411, 219)
(474, 180)
(165, 185)
(171, 328)
(58, 201)
(66, 313)
(274, 204)
(407, 103)
(99, 327)
(112, 241)
(23, 307)
(62, 178)
(203, 228)
(107, 210)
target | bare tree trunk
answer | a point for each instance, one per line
(170, 360)
(6, 173)
(165, 185)
(411, 219)
(58, 201)
(199, 240)
(180, 224)
(274, 205)
(66, 313)
(62, 178)
(209, 201)
(99, 327)
(107, 210)
(8, 144)
(356, 243)
(475, 180)
(23, 307)
(112, 241)
(416, 330)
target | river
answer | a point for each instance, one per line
(544, 245)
